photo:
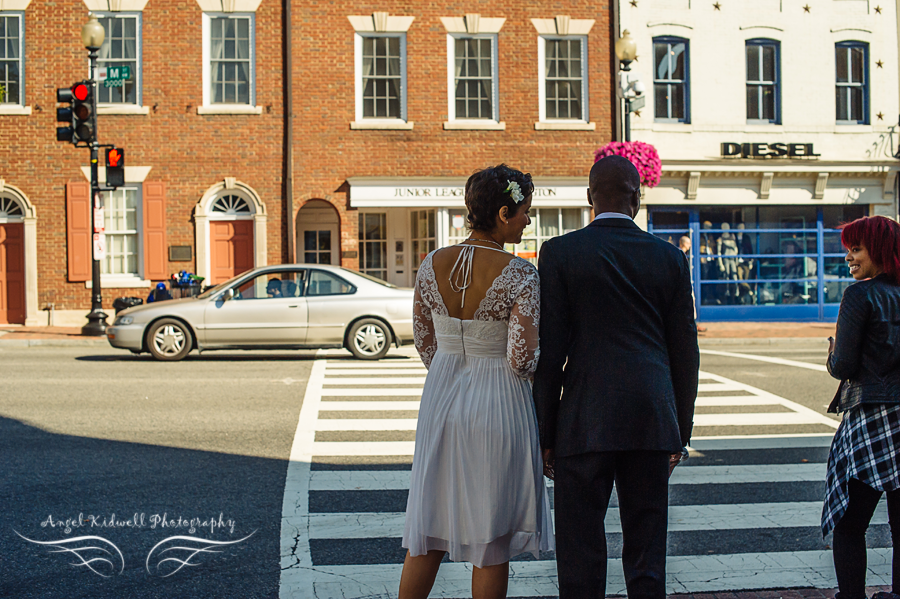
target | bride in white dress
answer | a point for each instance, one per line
(477, 489)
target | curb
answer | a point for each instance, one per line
(53, 342)
(762, 341)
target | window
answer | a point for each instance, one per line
(231, 56)
(763, 65)
(381, 76)
(852, 82)
(563, 77)
(12, 59)
(373, 244)
(473, 80)
(317, 247)
(121, 47)
(670, 79)
(547, 223)
(325, 283)
(422, 236)
(122, 209)
(272, 285)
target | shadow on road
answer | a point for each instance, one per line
(68, 477)
(226, 357)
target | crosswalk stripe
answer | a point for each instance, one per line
(728, 516)
(723, 401)
(384, 480)
(700, 573)
(392, 371)
(358, 382)
(365, 406)
(362, 448)
(759, 419)
(368, 424)
(414, 363)
(381, 392)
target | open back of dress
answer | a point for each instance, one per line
(477, 487)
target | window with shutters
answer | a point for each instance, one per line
(123, 216)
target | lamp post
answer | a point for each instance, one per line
(630, 86)
(92, 35)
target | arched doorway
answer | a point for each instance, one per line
(318, 234)
(231, 231)
(12, 262)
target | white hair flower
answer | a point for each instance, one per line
(514, 191)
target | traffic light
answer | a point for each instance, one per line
(64, 114)
(115, 167)
(84, 122)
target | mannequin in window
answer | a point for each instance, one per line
(727, 262)
(745, 265)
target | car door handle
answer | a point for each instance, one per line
(294, 306)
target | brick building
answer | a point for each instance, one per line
(411, 101)
(391, 112)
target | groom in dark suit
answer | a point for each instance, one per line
(615, 386)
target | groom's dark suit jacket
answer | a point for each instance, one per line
(618, 340)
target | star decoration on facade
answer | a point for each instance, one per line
(806, 8)
(717, 6)
(880, 116)
(633, 3)
(877, 10)
(879, 64)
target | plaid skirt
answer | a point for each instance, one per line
(866, 447)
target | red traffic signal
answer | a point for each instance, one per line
(115, 158)
(81, 91)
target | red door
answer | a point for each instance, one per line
(12, 274)
(231, 245)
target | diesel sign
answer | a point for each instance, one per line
(776, 150)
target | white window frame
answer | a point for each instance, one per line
(132, 279)
(358, 75)
(207, 62)
(138, 71)
(451, 78)
(20, 102)
(542, 78)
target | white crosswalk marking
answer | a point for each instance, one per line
(356, 505)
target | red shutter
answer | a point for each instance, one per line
(78, 230)
(155, 260)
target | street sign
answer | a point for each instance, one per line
(99, 246)
(115, 76)
(636, 103)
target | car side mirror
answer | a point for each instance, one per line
(229, 294)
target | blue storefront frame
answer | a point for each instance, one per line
(818, 311)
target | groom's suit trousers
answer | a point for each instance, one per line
(582, 490)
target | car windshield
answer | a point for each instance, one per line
(371, 278)
(215, 289)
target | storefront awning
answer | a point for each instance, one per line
(448, 192)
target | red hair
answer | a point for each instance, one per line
(881, 238)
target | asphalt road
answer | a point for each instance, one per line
(98, 434)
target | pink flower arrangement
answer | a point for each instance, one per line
(642, 155)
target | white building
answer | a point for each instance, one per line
(775, 115)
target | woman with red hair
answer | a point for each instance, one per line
(865, 356)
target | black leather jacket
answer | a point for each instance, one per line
(866, 355)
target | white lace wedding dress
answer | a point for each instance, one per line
(477, 487)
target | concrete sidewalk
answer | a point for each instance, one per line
(715, 333)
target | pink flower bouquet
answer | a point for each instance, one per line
(642, 155)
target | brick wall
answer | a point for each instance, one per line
(328, 151)
(187, 151)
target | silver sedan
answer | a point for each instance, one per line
(274, 307)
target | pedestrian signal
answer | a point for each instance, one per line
(115, 167)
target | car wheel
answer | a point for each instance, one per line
(369, 339)
(169, 340)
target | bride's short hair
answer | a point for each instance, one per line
(488, 190)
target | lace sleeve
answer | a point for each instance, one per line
(522, 347)
(423, 325)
